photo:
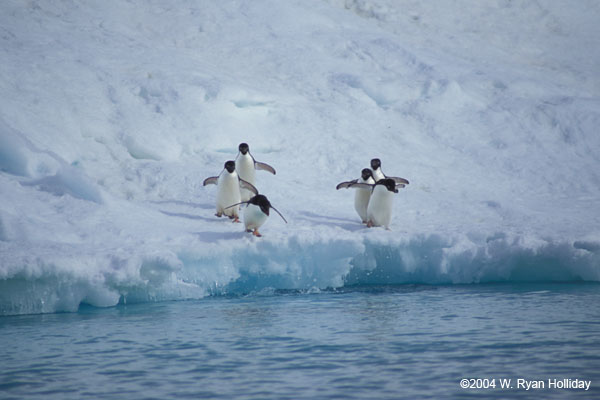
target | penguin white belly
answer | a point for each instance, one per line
(361, 200)
(379, 211)
(377, 175)
(244, 166)
(228, 194)
(254, 218)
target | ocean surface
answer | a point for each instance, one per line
(118, 282)
(363, 342)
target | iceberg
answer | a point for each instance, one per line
(111, 117)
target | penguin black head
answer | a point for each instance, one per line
(375, 163)
(389, 184)
(244, 148)
(366, 174)
(262, 202)
(230, 166)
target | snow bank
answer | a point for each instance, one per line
(111, 117)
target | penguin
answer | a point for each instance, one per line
(378, 173)
(246, 166)
(362, 195)
(228, 190)
(379, 210)
(256, 213)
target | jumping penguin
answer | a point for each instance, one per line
(246, 166)
(378, 173)
(256, 213)
(379, 210)
(362, 195)
(228, 190)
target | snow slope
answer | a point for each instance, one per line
(112, 114)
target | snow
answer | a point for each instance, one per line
(113, 114)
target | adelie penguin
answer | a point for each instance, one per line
(362, 195)
(228, 190)
(379, 210)
(378, 173)
(256, 213)
(246, 166)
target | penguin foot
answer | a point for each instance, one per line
(370, 224)
(218, 215)
(249, 230)
(255, 233)
(236, 219)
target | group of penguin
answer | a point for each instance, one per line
(373, 197)
(236, 186)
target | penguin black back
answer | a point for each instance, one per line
(261, 201)
(389, 184)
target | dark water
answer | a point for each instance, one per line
(370, 342)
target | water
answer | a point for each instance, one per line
(369, 342)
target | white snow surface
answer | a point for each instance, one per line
(113, 112)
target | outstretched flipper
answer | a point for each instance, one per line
(361, 185)
(279, 214)
(371, 185)
(248, 186)
(346, 185)
(236, 204)
(262, 202)
(213, 180)
(264, 167)
(398, 180)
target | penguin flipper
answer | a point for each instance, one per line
(277, 211)
(345, 185)
(236, 204)
(210, 181)
(361, 185)
(400, 185)
(264, 167)
(398, 180)
(247, 185)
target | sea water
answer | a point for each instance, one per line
(364, 342)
